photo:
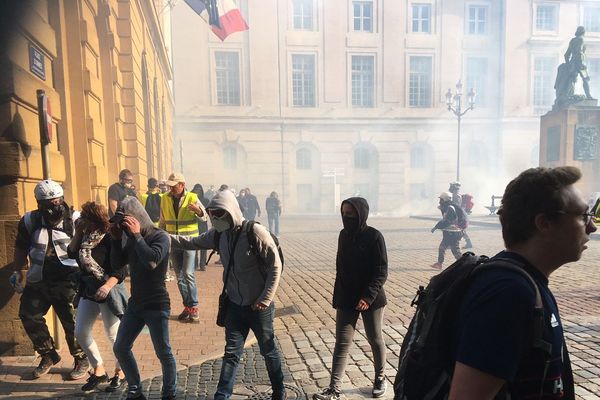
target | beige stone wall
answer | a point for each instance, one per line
(108, 79)
(498, 139)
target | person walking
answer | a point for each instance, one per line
(202, 227)
(145, 249)
(361, 271)
(457, 199)
(43, 236)
(450, 230)
(179, 214)
(273, 207)
(251, 277)
(101, 291)
(252, 208)
(151, 200)
(118, 191)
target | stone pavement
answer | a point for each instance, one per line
(306, 333)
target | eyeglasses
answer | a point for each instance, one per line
(128, 180)
(586, 216)
(216, 212)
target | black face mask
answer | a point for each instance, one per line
(350, 223)
(52, 212)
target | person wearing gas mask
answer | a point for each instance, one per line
(251, 277)
(361, 271)
(118, 191)
(146, 249)
(51, 276)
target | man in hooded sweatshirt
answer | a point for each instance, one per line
(251, 283)
(361, 271)
(146, 249)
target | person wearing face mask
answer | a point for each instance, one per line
(145, 248)
(361, 271)
(180, 212)
(118, 191)
(43, 236)
(251, 277)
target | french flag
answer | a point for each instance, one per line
(223, 16)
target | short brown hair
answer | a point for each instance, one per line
(95, 213)
(535, 191)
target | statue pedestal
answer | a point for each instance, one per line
(571, 136)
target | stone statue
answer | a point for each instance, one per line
(568, 72)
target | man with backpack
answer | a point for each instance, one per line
(151, 200)
(494, 324)
(253, 265)
(449, 224)
(465, 202)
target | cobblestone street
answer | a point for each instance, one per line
(305, 328)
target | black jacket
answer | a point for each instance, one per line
(361, 263)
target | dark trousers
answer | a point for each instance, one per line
(35, 303)
(449, 240)
(238, 322)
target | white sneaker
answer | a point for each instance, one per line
(327, 394)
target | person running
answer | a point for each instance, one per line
(361, 271)
(101, 291)
(449, 226)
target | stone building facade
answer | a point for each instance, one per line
(106, 69)
(358, 87)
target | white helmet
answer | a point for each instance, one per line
(445, 196)
(48, 190)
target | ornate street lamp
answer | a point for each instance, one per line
(454, 103)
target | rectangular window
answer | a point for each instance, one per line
(362, 16)
(476, 78)
(420, 81)
(303, 15)
(553, 144)
(591, 19)
(227, 69)
(477, 23)
(363, 81)
(421, 18)
(543, 83)
(593, 65)
(546, 16)
(303, 80)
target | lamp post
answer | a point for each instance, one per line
(454, 103)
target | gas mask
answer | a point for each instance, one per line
(221, 224)
(51, 211)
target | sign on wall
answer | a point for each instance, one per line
(37, 62)
(586, 143)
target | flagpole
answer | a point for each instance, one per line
(280, 108)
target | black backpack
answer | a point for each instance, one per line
(153, 206)
(249, 228)
(461, 216)
(426, 363)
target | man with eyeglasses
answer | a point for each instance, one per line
(252, 269)
(545, 225)
(118, 191)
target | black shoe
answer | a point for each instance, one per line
(327, 394)
(48, 360)
(279, 396)
(379, 387)
(93, 381)
(169, 397)
(115, 384)
(81, 368)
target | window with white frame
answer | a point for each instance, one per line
(303, 15)
(418, 157)
(593, 66)
(476, 78)
(361, 157)
(543, 83)
(227, 71)
(230, 157)
(362, 16)
(546, 17)
(477, 19)
(363, 81)
(303, 80)
(420, 81)
(591, 18)
(421, 18)
(303, 159)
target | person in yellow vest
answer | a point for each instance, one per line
(151, 200)
(180, 211)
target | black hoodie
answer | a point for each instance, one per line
(361, 263)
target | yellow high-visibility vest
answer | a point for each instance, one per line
(186, 222)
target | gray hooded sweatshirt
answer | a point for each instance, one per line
(147, 254)
(252, 279)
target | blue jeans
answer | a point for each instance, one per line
(132, 323)
(238, 322)
(184, 262)
(273, 223)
